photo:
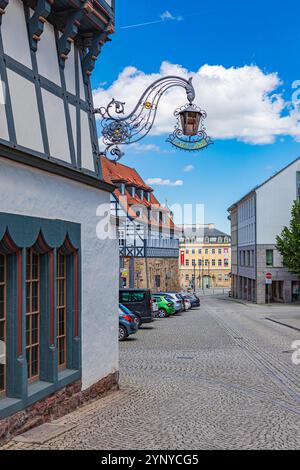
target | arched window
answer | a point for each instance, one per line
(61, 309)
(33, 314)
(2, 322)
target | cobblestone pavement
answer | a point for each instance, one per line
(218, 377)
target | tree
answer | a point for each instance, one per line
(288, 243)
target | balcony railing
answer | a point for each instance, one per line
(152, 248)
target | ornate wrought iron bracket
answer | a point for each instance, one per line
(36, 22)
(124, 130)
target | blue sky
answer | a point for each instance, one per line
(228, 34)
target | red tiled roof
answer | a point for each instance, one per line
(117, 172)
(113, 171)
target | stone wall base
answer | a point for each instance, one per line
(56, 405)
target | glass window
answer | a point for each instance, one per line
(213, 262)
(137, 296)
(199, 262)
(199, 251)
(219, 262)
(33, 314)
(269, 257)
(187, 263)
(206, 251)
(61, 310)
(125, 297)
(2, 322)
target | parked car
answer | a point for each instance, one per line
(186, 300)
(194, 299)
(175, 298)
(154, 306)
(165, 305)
(126, 310)
(139, 302)
(128, 324)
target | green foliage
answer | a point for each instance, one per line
(288, 243)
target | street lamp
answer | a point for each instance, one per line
(190, 120)
(189, 133)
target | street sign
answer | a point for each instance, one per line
(268, 281)
(269, 275)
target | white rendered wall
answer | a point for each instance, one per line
(47, 55)
(25, 112)
(274, 203)
(26, 191)
(56, 126)
(14, 33)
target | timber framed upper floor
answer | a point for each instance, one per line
(48, 50)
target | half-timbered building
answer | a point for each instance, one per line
(58, 280)
(148, 237)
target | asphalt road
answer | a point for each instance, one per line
(218, 377)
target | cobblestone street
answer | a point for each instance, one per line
(218, 377)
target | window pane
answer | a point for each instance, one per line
(269, 257)
(61, 282)
(32, 314)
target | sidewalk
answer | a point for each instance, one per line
(283, 314)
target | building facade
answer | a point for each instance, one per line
(256, 220)
(148, 238)
(205, 257)
(58, 284)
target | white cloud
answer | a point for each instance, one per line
(188, 168)
(162, 182)
(148, 148)
(244, 103)
(166, 15)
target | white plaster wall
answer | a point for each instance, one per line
(56, 126)
(3, 120)
(25, 112)
(47, 59)
(70, 71)
(274, 203)
(87, 158)
(27, 191)
(14, 33)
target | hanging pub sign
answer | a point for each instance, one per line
(189, 133)
(188, 144)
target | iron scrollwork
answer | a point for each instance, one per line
(124, 130)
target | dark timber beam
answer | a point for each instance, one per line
(94, 50)
(70, 32)
(36, 22)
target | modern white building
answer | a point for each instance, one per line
(58, 279)
(256, 220)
